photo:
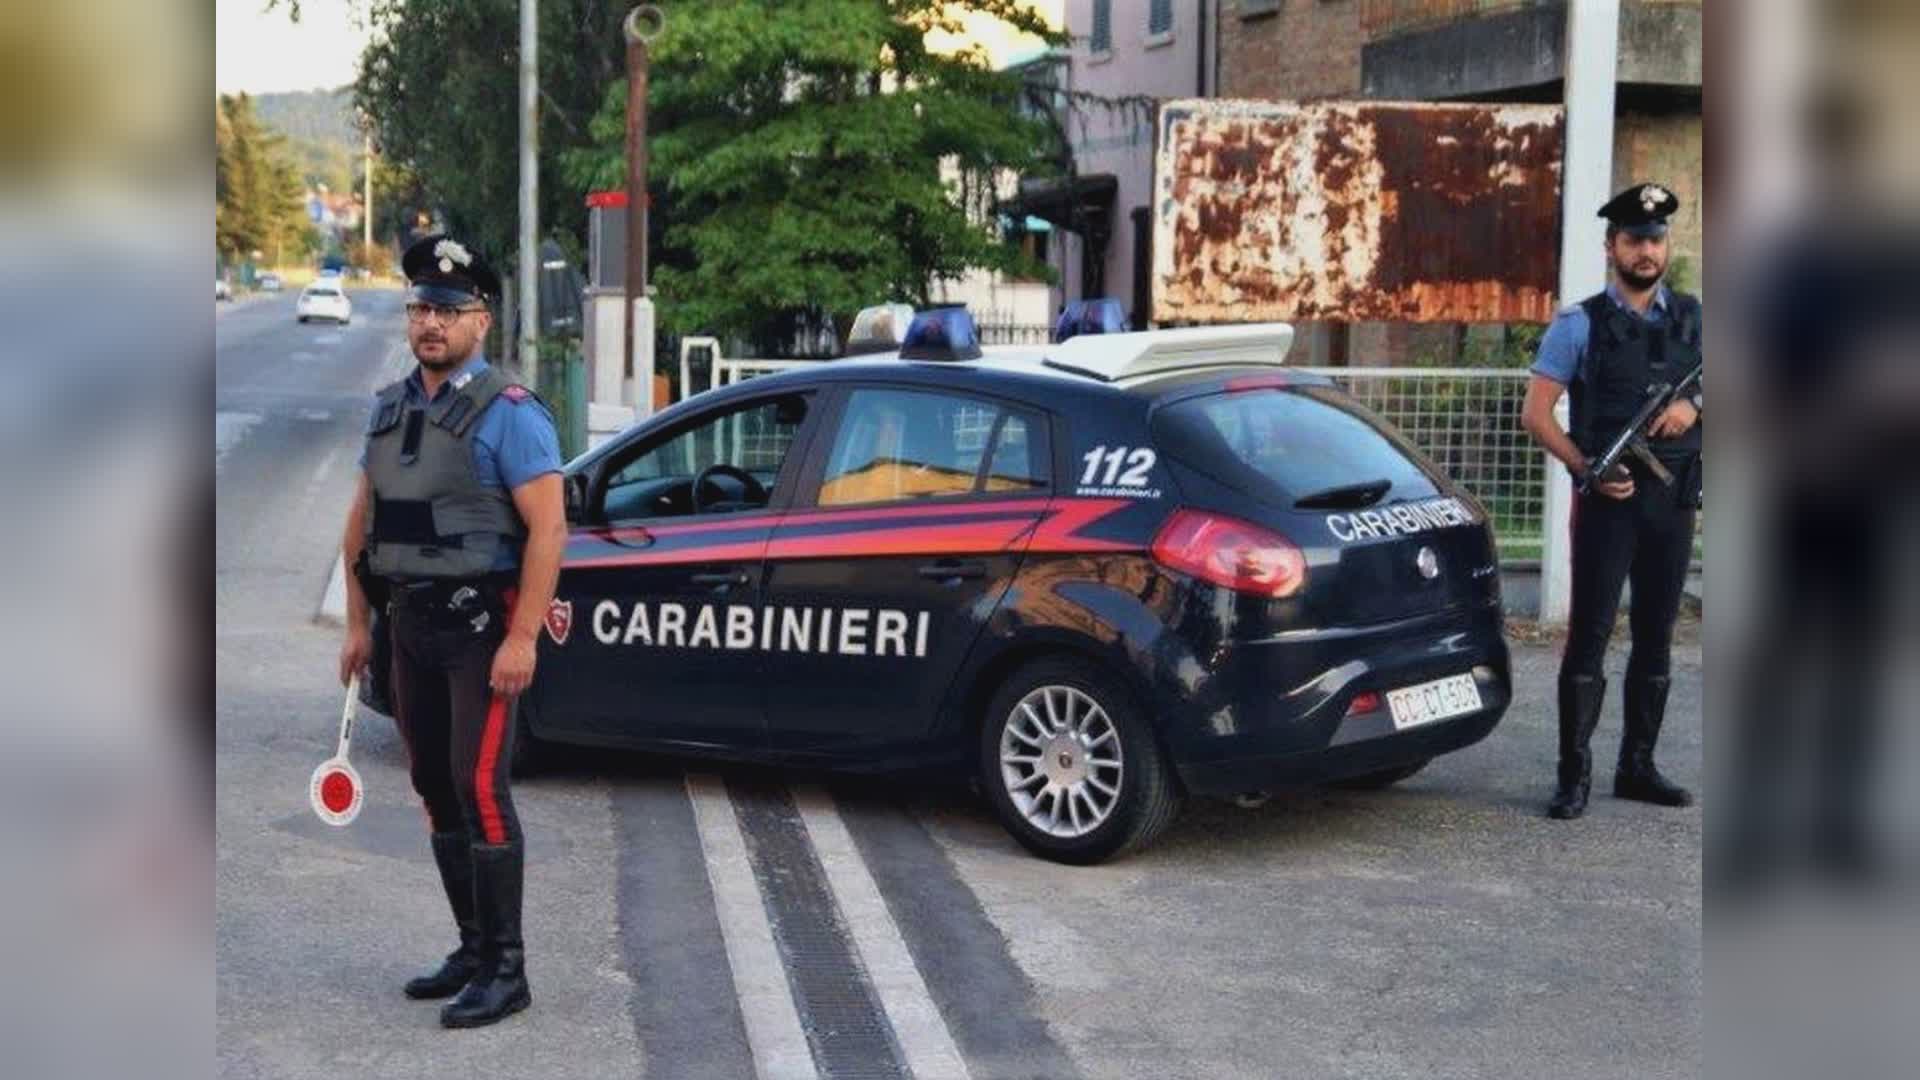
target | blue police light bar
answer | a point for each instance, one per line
(941, 333)
(1101, 315)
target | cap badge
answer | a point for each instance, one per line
(450, 252)
(1652, 197)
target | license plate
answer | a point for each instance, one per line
(1412, 706)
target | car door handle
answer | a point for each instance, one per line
(727, 577)
(953, 570)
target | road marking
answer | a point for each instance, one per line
(394, 366)
(780, 1050)
(228, 429)
(929, 1047)
(333, 602)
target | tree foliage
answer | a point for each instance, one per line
(813, 157)
(259, 200)
(440, 81)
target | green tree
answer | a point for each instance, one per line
(440, 82)
(259, 200)
(813, 157)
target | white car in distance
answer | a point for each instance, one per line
(324, 299)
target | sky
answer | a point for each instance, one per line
(263, 51)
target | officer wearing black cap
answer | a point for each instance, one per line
(1607, 350)
(457, 529)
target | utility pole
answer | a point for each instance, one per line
(1593, 57)
(366, 210)
(529, 289)
(642, 25)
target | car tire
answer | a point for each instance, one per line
(1117, 788)
(303, 318)
(1384, 778)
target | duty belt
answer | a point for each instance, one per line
(451, 594)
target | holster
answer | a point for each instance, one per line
(373, 588)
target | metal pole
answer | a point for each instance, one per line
(366, 211)
(529, 183)
(1593, 54)
(642, 25)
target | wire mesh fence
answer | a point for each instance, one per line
(1468, 421)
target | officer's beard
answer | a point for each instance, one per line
(446, 361)
(1638, 281)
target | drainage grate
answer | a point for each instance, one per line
(848, 1032)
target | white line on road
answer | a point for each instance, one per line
(333, 603)
(779, 1045)
(228, 429)
(924, 1039)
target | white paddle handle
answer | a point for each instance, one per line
(346, 716)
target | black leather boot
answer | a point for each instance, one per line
(1636, 778)
(1580, 698)
(453, 853)
(499, 989)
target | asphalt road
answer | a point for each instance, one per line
(688, 920)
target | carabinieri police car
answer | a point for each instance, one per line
(1102, 574)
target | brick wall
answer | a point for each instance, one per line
(1303, 50)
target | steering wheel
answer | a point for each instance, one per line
(752, 492)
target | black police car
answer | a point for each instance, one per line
(1102, 574)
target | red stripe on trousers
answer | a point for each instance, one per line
(491, 824)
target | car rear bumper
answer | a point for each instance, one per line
(1275, 713)
(1233, 776)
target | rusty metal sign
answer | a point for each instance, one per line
(1356, 211)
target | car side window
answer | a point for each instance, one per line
(658, 480)
(896, 445)
(1016, 463)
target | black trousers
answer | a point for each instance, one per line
(1647, 539)
(459, 734)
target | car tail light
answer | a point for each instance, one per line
(1229, 552)
(1366, 701)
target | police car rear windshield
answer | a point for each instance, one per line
(1309, 447)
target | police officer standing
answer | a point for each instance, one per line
(457, 530)
(1607, 350)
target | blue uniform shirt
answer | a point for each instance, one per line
(513, 441)
(1563, 351)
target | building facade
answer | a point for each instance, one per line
(1127, 55)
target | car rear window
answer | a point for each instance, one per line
(1291, 443)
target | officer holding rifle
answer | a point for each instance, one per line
(1625, 354)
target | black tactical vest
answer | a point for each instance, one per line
(431, 516)
(1625, 356)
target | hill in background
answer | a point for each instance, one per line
(320, 131)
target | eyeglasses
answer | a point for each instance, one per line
(419, 311)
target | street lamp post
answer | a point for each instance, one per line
(529, 284)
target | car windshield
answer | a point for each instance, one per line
(322, 290)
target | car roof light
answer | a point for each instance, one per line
(1101, 315)
(941, 333)
(879, 328)
(1119, 357)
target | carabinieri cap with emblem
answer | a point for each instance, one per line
(443, 270)
(1642, 210)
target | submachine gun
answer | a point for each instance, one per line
(1632, 439)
